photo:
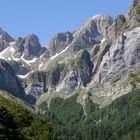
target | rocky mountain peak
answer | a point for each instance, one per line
(32, 45)
(92, 32)
(96, 24)
(5, 36)
(1, 30)
(134, 14)
(5, 39)
(118, 26)
(28, 47)
(101, 53)
(136, 3)
(59, 42)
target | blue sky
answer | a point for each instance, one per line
(47, 17)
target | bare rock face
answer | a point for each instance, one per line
(77, 73)
(5, 39)
(36, 84)
(92, 32)
(28, 47)
(18, 67)
(112, 54)
(9, 81)
(59, 42)
(134, 14)
(117, 27)
(123, 56)
(62, 77)
(96, 58)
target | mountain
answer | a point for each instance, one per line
(5, 39)
(59, 43)
(87, 82)
(98, 58)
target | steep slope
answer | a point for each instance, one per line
(59, 43)
(97, 58)
(17, 122)
(10, 82)
(28, 47)
(133, 14)
(5, 39)
(114, 50)
(87, 82)
(119, 121)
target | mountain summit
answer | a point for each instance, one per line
(96, 58)
(85, 82)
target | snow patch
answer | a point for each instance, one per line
(23, 76)
(12, 50)
(103, 40)
(15, 59)
(84, 97)
(9, 58)
(41, 56)
(12, 43)
(32, 61)
(5, 51)
(28, 61)
(41, 65)
(8, 52)
(57, 54)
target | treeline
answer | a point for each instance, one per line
(118, 121)
(18, 123)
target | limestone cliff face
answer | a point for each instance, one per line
(96, 58)
(62, 77)
(27, 47)
(5, 39)
(9, 81)
(134, 14)
(122, 57)
(91, 33)
(59, 42)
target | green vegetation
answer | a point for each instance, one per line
(38, 76)
(78, 64)
(134, 78)
(74, 63)
(66, 111)
(126, 24)
(135, 26)
(118, 121)
(138, 10)
(55, 73)
(18, 123)
(57, 67)
(83, 66)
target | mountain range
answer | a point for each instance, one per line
(97, 61)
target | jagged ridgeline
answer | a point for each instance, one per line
(83, 85)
